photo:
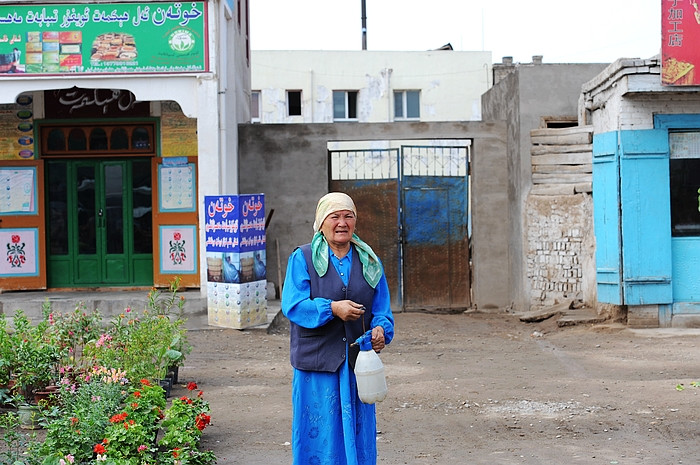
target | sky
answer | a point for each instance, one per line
(562, 31)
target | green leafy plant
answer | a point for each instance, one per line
(101, 414)
(83, 414)
(72, 331)
(36, 355)
(183, 424)
(7, 353)
(18, 447)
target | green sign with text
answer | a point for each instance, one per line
(146, 37)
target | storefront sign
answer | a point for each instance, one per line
(93, 103)
(146, 37)
(680, 31)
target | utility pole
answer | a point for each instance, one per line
(364, 24)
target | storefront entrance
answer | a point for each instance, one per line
(99, 222)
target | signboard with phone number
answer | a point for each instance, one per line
(146, 37)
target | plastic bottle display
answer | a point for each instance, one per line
(369, 372)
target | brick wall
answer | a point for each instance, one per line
(559, 252)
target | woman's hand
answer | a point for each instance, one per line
(378, 342)
(347, 310)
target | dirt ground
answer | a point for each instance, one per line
(475, 389)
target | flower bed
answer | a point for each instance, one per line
(109, 407)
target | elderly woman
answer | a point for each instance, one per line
(335, 290)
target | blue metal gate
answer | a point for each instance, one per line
(413, 209)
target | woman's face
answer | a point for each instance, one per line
(338, 227)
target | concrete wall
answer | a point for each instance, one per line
(523, 98)
(289, 163)
(450, 83)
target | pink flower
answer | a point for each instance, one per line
(177, 236)
(142, 448)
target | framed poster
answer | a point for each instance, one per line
(20, 250)
(178, 249)
(176, 186)
(18, 187)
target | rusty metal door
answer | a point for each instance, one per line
(370, 177)
(413, 210)
(434, 223)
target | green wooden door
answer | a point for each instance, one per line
(99, 223)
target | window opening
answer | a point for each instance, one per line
(119, 140)
(559, 122)
(344, 104)
(294, 103)
(98, 139)
(76, 140)
(104, 139)
(255, 106)
(56, 140)
(684, 170)
(406, 104)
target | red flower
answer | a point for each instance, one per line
(73, 421)
(177, 236)
(134, 405)
(99, 449)
(145, 382)
(15, 239)
(191, 386)
(202, 420)
(137, 393)
(118, 417)
(176, 452)
(200, 393)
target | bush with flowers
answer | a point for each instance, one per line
(109, 408)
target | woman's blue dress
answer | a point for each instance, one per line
(330, 425)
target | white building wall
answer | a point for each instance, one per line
(450, 83)
(628, 94)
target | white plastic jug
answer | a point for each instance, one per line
(369, 372)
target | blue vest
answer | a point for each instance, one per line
(323, 348)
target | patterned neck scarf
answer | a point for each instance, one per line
(371, 268)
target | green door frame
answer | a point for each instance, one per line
(99, 222)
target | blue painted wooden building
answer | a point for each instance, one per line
(646, 193)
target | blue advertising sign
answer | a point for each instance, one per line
(235, 223)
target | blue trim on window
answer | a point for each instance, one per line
(677, 121)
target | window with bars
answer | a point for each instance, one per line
(438, 161)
